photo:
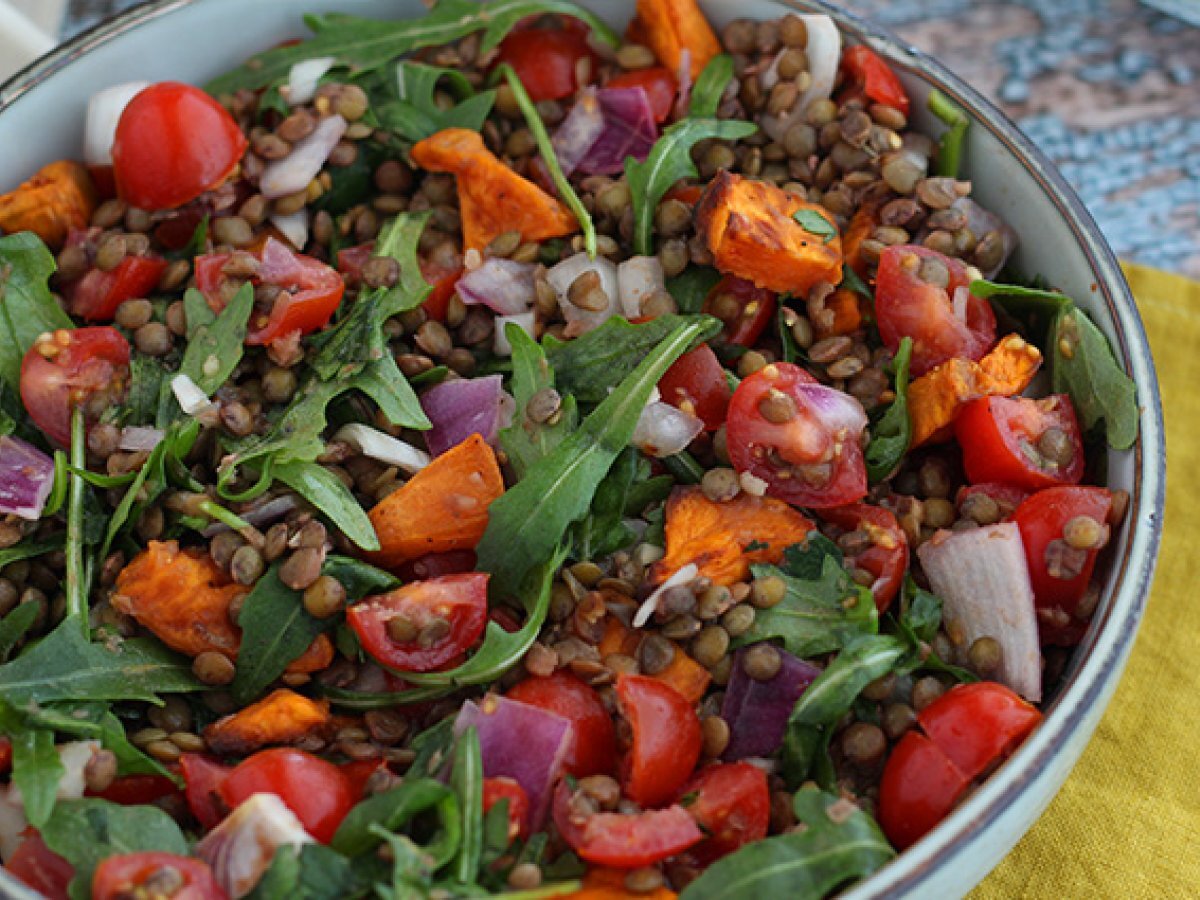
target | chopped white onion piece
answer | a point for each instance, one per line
(563, 275)
(638, 278)
(958, 303)
(241, 848)
(294, 227)
(824, 51)
(292, 173)
(74, 756)
(303, 79)
(103, 112)
(191, 399)
(382, 446)
(500, 342)
(646, 610)
(664, 430)
(139, 438)
(752, 484)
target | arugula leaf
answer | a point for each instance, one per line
(29, 548)
(365, 44)
(670, 160)
(390, 811)
(529, 520)
(710, 87)
(331, 497)
(892, 432)
(790, 351)
(65, 666)
(417, 115)
(466, 779)
(807, 864)
(593, 363)
(215, 341)
(1084, 367)
(683, 467)
(309, 872)
(921, 612)
(27, 309)
(852, 282)
(815, 223)
(603, 530)
(526, 441)
(541, 137)
(412, 867)
(691, 287)
(36, 770)
(147, 379)
(358, 578)
(96, 720)
(86, 832)
(15, 626)
(950, 145)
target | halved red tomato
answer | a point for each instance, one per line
(593, 741)
(97, 294)
(310, 291)
(868, 75)
(732, 805)
(666, 739)
(434, 621)
(318, 792)
(442, 279)
(1017, 440)
(173, 143)
(35, 864)
(659, 84)
(921, 294)
(919, 787)
(800, 437)
(136, 790)
(547, 60)
(87, 367)
(1008, 497)
(696, 384)
(202, 777)
(142, 874)
(360, 771)
(745, 309)
(886, 554)
(507, 789)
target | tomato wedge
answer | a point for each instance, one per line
(507, 789)
(593, 747)
(141, 874)
(732, 805)
(745, 309)
(35, 864)
(884, 547)
(548, 60)
(666, 739)
(868, 75)
(659, 84)
(696, 384)
(800, 437)
(87, 367)
(309, 294)
(1016, 440)
(435, 621)
(96, 296)
(202, 777)
(318, 792)
(919, 788)
(921, 294)
(173, 143)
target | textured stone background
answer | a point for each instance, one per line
(1110, 89)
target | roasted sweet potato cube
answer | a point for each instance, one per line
(282, 717)
(55, 200)
(672, 27)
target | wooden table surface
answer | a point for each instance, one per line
(1109, 89)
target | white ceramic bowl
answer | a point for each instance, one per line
(41, 118)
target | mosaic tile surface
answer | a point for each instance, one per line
(1110, 89)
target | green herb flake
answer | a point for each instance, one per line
(816, 224)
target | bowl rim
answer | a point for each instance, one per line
(1092, 676)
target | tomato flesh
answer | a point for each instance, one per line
(96, 296)
(696, 384)
(977, 724)
(134, 874)
(666, 739)
(1002, 440)
(919, 787)
(811, 459)
(173, 143)
(547, 60)
(202, 777)
(870, 76)
(87, 367)
(460, 601)
(593, 741)
(886, 554)
(943, 321)
(136, 790)
(745, 309)
(39, 867)
(659, 84)
(507, 789)
(318, 792)
(1007, 496)
(732, 805)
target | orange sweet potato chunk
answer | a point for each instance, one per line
(182, 596)
(935, 398)
(684, 674)
(672, 26)
(492, 198)
(842, 314)
(862, 224)
(717, 537)
(750, 229)
(282, 717)
(318, 656)
(55, 200)
(609, 884)
(443, 507)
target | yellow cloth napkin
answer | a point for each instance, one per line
(1127, 822)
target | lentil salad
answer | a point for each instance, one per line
(626, 613)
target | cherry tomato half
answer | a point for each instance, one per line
(696, 384)
(507, 789)
(870, 76)
(441, 278)
(800, 437)
(96, 296)
(202, 777)
(1007, 497)
(745, 309)
(318, 792)
(87, 367)
(310, 291)
(885, 547)
(919, 788)
(666, 739)
(1059, 572)
(593, 748)
(732, 805)
(921, 294)
(140, 874)
(173, 143)
(623, 840)
(137, 790)
(35, 864)
(450, 611)
(1017, 440)
(548, 60)
(659, 84)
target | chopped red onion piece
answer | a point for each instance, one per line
(757, 711)
(683, 76)
(638, 278)
(579, 131)
(522, 742)
(603, 128)
(139, 438)
(563, 275)
(460, 408)
(241, 848)
(503, 285)
(664, 430)
(26, 477)
(982, 222)
(294, 172)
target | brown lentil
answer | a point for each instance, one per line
(213, 668)
(655, 653)
(525, 876)
(925, 691)
(738, 620)
(767, 592)
(643, 880)
(710, 645)
(762, 661)
(897, 718)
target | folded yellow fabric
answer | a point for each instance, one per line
(1127, 822)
